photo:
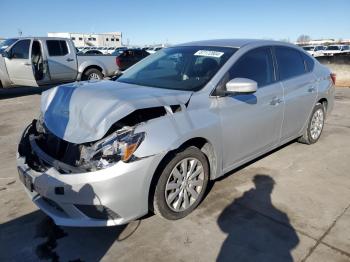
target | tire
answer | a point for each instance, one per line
(191, 189)
(314, 129)
(92, 73)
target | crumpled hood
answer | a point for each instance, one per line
(84, 111)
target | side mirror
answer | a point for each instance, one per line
(241, 86)
(6, 54)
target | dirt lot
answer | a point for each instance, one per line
(292, 205)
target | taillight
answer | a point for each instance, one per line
(118, 62)
(333, 77)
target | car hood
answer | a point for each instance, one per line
(84, 111)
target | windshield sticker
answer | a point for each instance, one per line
(208, 53)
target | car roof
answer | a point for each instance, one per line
(235, 43)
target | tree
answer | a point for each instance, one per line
(303, 39)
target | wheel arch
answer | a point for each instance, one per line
(201, 143)
(91, 67)
(324, 102)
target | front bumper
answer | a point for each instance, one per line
(112, 196)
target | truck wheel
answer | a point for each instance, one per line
(315, 126)
(92, 74)
(182, 184)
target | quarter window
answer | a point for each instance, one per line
(256, 65)
(309, 63)
(57, 47)
(20, 50)
(290, 62)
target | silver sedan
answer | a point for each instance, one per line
(103, 153)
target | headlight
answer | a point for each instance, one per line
(118, 146)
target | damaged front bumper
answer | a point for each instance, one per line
(107, 197)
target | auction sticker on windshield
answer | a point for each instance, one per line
(208, 53)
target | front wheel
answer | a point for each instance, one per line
(315, 126)
(182, 184)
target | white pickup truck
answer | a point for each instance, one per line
(37, 61)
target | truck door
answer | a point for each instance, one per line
(62, 60)
(19, 65)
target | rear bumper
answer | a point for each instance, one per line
(107, 197)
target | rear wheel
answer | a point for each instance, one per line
(92, 74)
(182, 184)
(315, 126)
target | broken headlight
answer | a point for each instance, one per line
(118, 146)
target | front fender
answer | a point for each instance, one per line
(169, 132)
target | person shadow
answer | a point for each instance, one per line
(256, 236)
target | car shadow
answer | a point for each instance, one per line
(13, 92)
(253, 236)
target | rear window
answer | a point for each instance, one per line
(333, 47)
(57, 47)
(308, 48)
(290, 62)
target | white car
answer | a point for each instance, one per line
(314, 50)
(154, 49)
(335, 49)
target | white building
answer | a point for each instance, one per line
(113, 39)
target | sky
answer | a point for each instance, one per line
(176, 21)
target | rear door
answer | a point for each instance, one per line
(300, 90)
(19, 64)
(62, 60)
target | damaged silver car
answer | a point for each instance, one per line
(107, 152)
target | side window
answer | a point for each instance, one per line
(309, 62)
(290, 62)
(256, 65)
(57, 47)
(20, 50)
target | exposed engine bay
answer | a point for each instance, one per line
(43, 149)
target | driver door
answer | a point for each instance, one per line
(19, 65)
(251, 123)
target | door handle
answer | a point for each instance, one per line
(27, 64)
(276, 101)
(69, 59)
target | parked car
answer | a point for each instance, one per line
(129, 57)
(333, 49)
(314, 50)
(104, 153)
(35, 61)
(152, 50)
(93, 52)
(6, 43)
(346, 49)
(117, 50)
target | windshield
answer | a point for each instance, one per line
(308, 48)
(182, 68)
(6, 43)
(333, 47)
